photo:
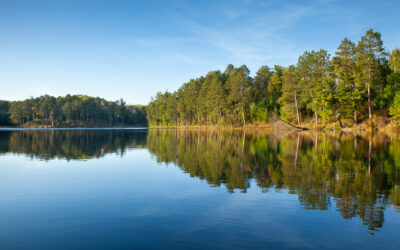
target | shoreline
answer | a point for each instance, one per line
(260, 127)
(72, 128)
(358, 128)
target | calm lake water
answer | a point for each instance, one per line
(107, 189)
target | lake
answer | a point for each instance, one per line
(179, 189)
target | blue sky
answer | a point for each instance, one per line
(132, 49)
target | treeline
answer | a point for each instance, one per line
(70, 111)
(360, 83)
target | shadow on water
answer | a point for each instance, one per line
(358, 174)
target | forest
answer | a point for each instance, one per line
(70, 111)
(359, 84)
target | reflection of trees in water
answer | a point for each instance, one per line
(360, 174)
(70, 144)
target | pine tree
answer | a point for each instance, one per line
(290, 94)
(239, 87)
(313, 69)
(369, 52)
(344, 66)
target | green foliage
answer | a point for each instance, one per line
(290, 94)
(275, 90)
(217, 98)
(75, 111)
(267, 90)
(4, 116)
(358, 80)
(394, 65)
(239, 88)
(258, 113)
(394, 109)
(349, 97)
(262, 80)
(369, 57)
(313, 76)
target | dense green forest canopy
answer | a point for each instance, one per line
(71, 111)
(359, 83)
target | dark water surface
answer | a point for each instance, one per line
(107, 189)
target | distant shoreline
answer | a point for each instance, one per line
(259, 127)
(72, 128)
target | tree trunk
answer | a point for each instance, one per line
(315, 111)
(369, 103)
(355, 143)
(297, 109)
(316, 118)
(244, 118)
(340, 122)
(355, 117)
